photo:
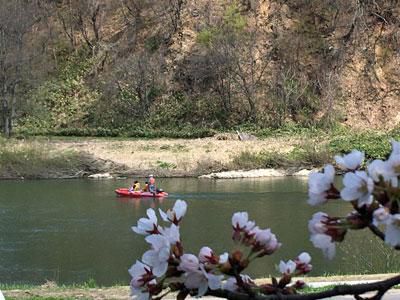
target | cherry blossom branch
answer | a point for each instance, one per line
(381, 287)
(375, 230)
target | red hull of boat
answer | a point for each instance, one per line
(126, 193)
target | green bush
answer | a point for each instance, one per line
(310, 155)
(153, 43)
(206, 36)
(184, 133)
(75, 131)
(248, 160)
(65, 100)
(289, 129)
(374, 145)
(306, 156)
(232, 23)
(165, 165)
(233, 18)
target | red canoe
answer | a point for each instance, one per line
(125, 192)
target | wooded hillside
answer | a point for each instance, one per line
(93, 67)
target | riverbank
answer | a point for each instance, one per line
(81, 157)
(50, 290)
(280, 154)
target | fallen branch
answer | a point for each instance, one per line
(381, 287)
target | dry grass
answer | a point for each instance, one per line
(180, 154)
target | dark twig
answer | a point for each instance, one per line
(376, 231)
(358, 289)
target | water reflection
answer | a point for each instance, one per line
(137, 202)
(71, 231)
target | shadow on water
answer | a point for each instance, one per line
(74, 230)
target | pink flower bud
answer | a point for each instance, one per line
(206, 255)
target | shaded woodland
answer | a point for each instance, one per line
(95, 67)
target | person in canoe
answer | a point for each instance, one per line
(135, 187)
(146, 187)
(152, 184)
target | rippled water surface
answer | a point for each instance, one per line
(75, 230)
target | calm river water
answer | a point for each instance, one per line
(71, 231)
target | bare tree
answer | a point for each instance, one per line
(232, 66)
(163, 17)
(174, 9)
(250, 64)
(84, 19)
(17, 19)
(138, 83)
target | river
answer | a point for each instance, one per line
(71, 231)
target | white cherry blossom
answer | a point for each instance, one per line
(393, 165)
(395, 148)
(223, 258)
(201, 280)
(146, 226)
(171, 234)
(357, 186)
(249, 226)
(264, 240)
(263, 236)
(382, 169)
(253, 231)
(319, 184)
(304, 258)
(325, 243)
(140, 273)
(176, 214)
(189, 263)
(231, 283)
(378, 168)
(240, 220)
(302, 261)
(206, 255)
(272, 245)
(158, 256)
(380, 216)
(288, 267)
(214, 281)
(351, 161)
(196, 280)
(142, 294)
(392, 232)
(316, 224)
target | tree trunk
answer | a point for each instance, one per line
(6, 118)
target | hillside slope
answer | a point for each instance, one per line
(206, 64)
